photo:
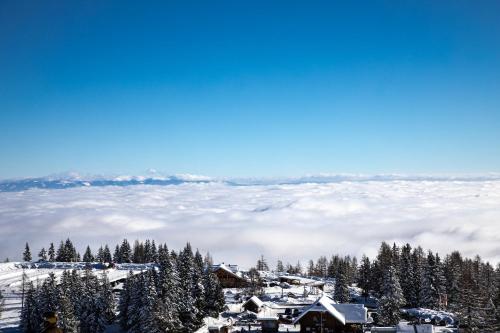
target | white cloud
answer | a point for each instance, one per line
(238, 223)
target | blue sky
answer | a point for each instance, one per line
(271, 88)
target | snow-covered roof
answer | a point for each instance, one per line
(227, 269)
(345, 313)
(255, 300)
(353, 313)
(303, 280)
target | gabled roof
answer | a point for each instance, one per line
(226, 269)
(344, 312)
(353, 313)
(323, 304)
(255, 300)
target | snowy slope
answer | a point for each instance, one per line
(11, 283)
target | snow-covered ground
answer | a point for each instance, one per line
(11, 277)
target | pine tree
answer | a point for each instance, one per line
(452, 269)
(262, 264)
(198, 288)
(49, 294)
(145, 310)
(30, 314)
(214, 294)
(311, 271)
(99, 256)
(279, 267)
(431, 285)
(1, 304)
(67, 319)
(61, 252)
(105, 303)
(406, 273)
(52, 252)
(42, 254)
(106, 255)
(125, 252)
(27, 253)
(187, 309)
(124, 302)
(392, 298)
(341, 293)
(117, 257)
(364, 278)
(169, 291)
(414, 294)
(87, 256)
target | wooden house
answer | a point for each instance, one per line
(228, 277)
(327, 316)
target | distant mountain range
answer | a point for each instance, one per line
(64, 181)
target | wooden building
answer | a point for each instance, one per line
(253, 304)
(327, 316)
(228, 278)
(269, 324)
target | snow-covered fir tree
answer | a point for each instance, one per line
(30, 314)
(431, 283)
(364, 276)
(392, 298)
(341, 292)
(188, 312)
(27, 253)
(42, 255)
(87, 256)
(51, 252)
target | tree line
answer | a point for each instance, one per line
(174, 296)
(140, 252)
(409, 277)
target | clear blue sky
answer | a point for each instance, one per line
(249, 88)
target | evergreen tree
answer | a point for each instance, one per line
(105, 303)
(169, 291)
(117, 257)
(42, 254)
(61, 255)
(406, 273)
(124, 302)
(1, 304)
(106, 255)
(214, 295)
(262, 264)
(311, 271)
(30, 314)
(431, 285)
(48, 297)
(52, 252)
(417, 262)
(392, 298)
(27, 253)
(125, 252)
(452, 269)
(198, 288)
(279, 267)
(99, 256)
(87, 256)
(364, 277)
(188, 312)
(341, 293)
(67, 319)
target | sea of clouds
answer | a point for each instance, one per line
(238, 223)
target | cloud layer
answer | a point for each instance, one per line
(238, 223)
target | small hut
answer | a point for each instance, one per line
(253, 304)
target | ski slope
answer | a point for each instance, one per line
(11, 281)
